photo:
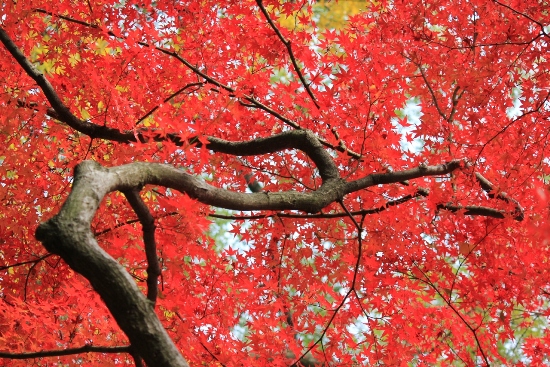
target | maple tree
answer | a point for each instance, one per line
(398, 164)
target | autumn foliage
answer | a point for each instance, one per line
(398, 158)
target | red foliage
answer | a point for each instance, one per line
(420, 281)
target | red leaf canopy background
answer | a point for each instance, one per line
(434, 117)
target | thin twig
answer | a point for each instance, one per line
(288, 46)
(168, 99)
(25, 262)
(352, 286)
(66, 352)
(128, 222)
(434, 98)
(541, 25)
(428, 281)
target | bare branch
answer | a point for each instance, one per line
(420, 192)
(66, 352)
(303, 140)
(490, 189)
(179, 91)
(399, 176)
(288, 46)
(60, 112)
(478, 211)
(43, 257)
(148, 223)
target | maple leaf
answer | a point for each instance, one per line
(130, 130)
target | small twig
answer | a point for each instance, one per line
(352, 286)
(27, 280)
(297, 361)
(288, 46)
(43, 257)
(456, 97)
(507, 126)
(359, 242)
(66, 352)
(541, 25)
(434, 98)
(128, 222)
(428, 281)
(168, 99)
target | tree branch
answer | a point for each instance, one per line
(541, 25)
(130, 221)
(43, 257)
(288, 46)
(179, 91)
(388, 204)
(148, 224)
(399, 176)
(66, 352)
(434, 98)
(489, 188)
(68, 234)
(62, 113)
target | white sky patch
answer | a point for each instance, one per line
(412, 113)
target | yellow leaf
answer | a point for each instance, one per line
(74, 59)
(84, 114)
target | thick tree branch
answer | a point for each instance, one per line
(66, 352)
(62, 113)
(388, 204)
(303, 140)
(490, 189)
(399, 176)
(148, 224)
(68, 234)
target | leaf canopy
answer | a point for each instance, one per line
(276, 183)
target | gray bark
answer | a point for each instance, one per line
(68, 234)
